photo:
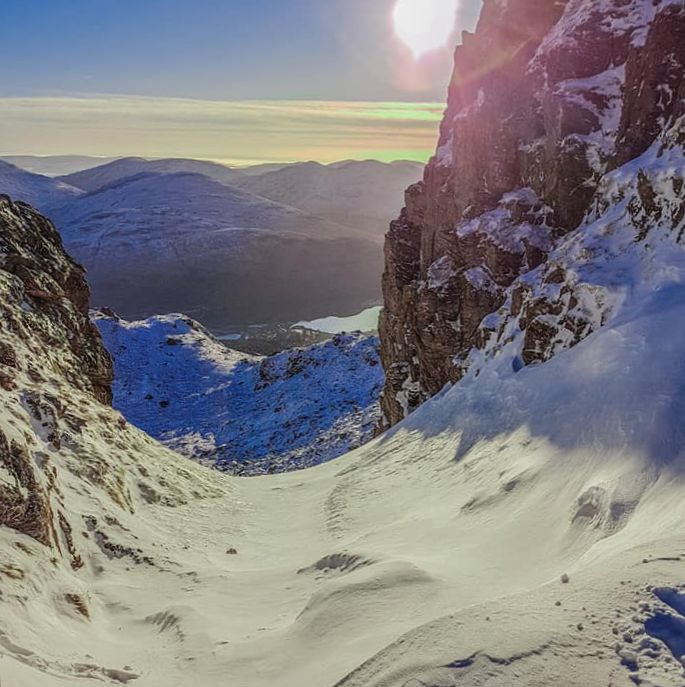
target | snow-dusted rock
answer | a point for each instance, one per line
(537, 133)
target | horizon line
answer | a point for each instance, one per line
(244, 131)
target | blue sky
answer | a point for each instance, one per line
(206, 50)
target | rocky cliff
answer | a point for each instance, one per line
(74, 476)
(44, 332)
(564, 127)
(51, 295)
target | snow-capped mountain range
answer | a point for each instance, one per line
(227, 246)
(244, 414)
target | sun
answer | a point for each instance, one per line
(424, 25)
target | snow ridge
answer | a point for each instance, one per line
(243, 414)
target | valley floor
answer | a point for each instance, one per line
(337, 564)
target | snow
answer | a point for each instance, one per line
(244, 414)
(501, 228)
(440, 272)
(605, 88)
(630, 18)
(365, 321)
(39, 191)
(479, 278)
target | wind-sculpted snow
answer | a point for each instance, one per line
(245, 414)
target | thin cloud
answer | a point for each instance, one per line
(232, 131)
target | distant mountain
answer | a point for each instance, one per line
(40, 191)
(245, 414)
(363, 194)
(262, 168)
(228, 246)
(55, 165)
(183, 242)
(104, 175)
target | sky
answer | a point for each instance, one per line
(239, 81)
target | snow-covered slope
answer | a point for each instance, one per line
(96, 178)
(55, 165)
(185, 243)
(520, 529)
(245, 414)
(39, 191)
(365, 194)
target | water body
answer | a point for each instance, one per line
(365, 321)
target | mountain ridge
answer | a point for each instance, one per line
(244, 414)
(184, 242)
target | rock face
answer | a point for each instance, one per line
(548, 101)
(44, 308)
(52, 294)
(44, 331)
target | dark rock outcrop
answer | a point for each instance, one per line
(547, 98)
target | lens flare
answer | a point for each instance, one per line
(424, 25)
